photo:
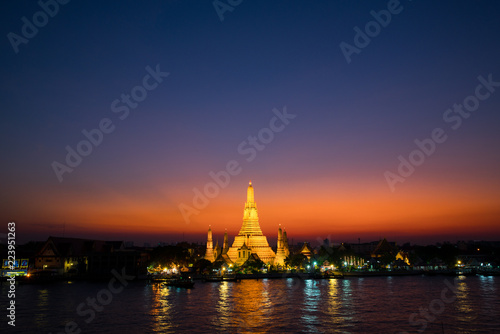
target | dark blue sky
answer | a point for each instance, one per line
(353, 119)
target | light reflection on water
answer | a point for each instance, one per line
(351, 305)
(224, 306)
(333, 301)
(251, 304)
(347, 298)
(339, 309)
(42, 304)
(462, 301)
(160, 308)
(489, 291)
(310, 304)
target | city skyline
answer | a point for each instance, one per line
(354, 121)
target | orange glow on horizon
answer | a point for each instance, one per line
(302, 208)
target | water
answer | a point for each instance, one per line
(352, 305)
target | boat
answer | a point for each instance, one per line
(40, 277)
(156, 278)
(466, 272)
(212, 278)
(229, 278)
(336, 275)
(320, 275)
(180, 282)
(221, 278)
(365, 273)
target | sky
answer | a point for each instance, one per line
(353, 119)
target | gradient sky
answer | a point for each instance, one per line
(322, 176)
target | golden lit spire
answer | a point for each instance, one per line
(250, 237)
(250, 216)
(209, 254)
(250, 194)
(209, 233)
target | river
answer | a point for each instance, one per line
(410, 304)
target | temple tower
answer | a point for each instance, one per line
(285, 245)
(280, 251)
(209, 254)
(250, 239)
(217, 250)
(225, 245)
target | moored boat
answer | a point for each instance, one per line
(221, 278)
(180, 282)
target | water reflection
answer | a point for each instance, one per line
(252, 305)
(334, 303)
(347, 294)
(224, 307)
(310, 304)
(390, 287)
(273, 306)
(42, 308)
(340, 299)
(463, 303)
(160, 309)
(487, 284)
(489, 296)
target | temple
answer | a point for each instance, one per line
(250, 242)
(280, 252)
(210, 254)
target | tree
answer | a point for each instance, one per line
(387, 258)
(170, 255)
(201, 265)
(253, 264)
(298, 260)
(288, 261)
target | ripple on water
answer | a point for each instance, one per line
(352, 305)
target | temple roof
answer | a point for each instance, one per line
(383, 247)
(306, 249)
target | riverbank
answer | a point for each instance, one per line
(276, 275)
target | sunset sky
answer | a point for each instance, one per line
(322, 174)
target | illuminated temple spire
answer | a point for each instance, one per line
(250, 239)
(250, 193)
(250, 216)
(280, 251)
(285, 244)
(225, 245)
(209, 254)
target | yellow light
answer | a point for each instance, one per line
(459, 262)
